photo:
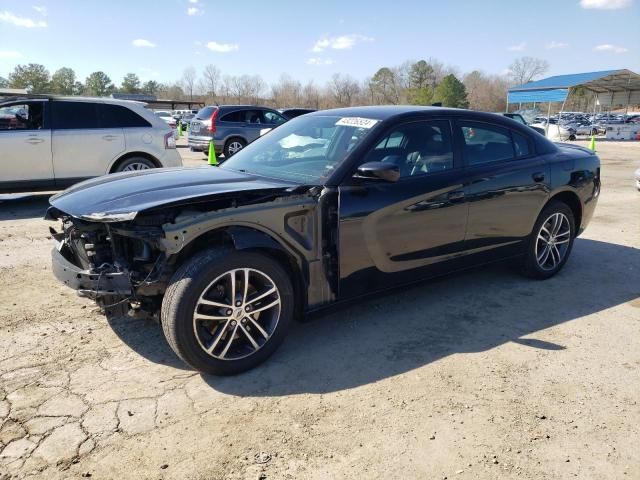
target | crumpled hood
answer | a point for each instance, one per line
(120, 196)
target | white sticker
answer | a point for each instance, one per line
(357, 122)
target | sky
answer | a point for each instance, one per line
(312, 40)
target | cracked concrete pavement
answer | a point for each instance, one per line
(479, 375)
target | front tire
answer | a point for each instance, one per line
(225, 312)
(551, 241)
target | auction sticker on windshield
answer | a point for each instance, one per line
(358, 122)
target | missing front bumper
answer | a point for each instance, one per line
(87, 283)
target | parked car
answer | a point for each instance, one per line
(49, 142)
(326, 208)
(290, 113)
(555, 131)
(185, 120)
(230, 127)
(519, 118)
(167, 117)
(583, 128)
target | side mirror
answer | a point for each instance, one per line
(388, 172)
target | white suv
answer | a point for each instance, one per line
(50, 143)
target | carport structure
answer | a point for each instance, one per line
(609, 88)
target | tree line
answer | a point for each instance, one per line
(422, 82)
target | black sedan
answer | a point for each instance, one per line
(326, 208)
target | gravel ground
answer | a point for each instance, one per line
(479, 375)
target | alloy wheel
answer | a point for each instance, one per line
(135, 167)
(236, 314)
(234, 147)
(553, 240)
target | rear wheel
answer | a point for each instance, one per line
(233, 146)
(551, 241)
(135, 163)
(226, 312)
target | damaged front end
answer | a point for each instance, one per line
(111, 261)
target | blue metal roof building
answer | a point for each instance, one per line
(612, 87)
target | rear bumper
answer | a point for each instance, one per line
(88, 283)
(201, 143)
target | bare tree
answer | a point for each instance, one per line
(486, 92)
(525, 69)
(189, 81)
(311, 95)
(211, 80)
(287, 92)
(343, 89)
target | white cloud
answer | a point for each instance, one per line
(193, 1)
(222, 47)
(517, 48)
(342, 42)
(607, 47)
(9, 54)
(553, 45)
(191, 11)
(142, 43)
(9, 17)
(606, 4)
(41, 10)
(319, 61)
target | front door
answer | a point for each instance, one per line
(25, 146)
(395, 233)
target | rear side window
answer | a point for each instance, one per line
(239, 116)
(205, 113)
(74, 115)
(484, 143)
(521, 145)
(117, 116)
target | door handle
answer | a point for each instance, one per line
(538, 177)
(109, 138)
(34, 140)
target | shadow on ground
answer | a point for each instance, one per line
(20, 206)
(471, 312)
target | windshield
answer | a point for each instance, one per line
(305, 150)
(163, 114)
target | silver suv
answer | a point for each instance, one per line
(50, 143)
(230, 127)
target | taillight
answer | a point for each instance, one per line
(169, 141)
(212, 126)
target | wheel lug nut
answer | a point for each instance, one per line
(244, 321)
(233, 323)
(229, 312)
(247, 308)
(238, 303)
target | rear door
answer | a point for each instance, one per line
(25, 146)
(506, 185)
(81, 147)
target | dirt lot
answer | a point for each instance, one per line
(479, 375)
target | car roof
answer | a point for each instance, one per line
(70, 98)
(381, 112)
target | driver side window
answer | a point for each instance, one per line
(417, 148)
